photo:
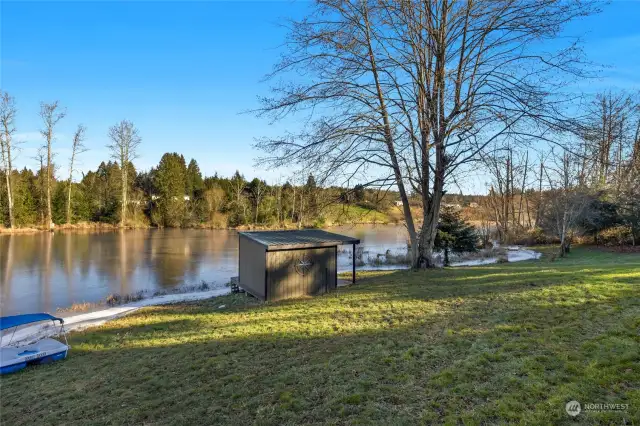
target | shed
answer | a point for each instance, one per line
(275, 265)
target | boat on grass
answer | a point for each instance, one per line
(44, 351)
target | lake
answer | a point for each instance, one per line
(46, 271)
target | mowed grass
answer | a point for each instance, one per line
(484, 345)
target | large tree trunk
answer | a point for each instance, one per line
(428, 231)
(388, 137)
(431, 214)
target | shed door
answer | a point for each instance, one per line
(295, 273)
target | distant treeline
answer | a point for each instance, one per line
(176, 194)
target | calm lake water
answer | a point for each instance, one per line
(47, 271)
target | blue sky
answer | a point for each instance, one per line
(184, 72)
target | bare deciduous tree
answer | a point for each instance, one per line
(214, 197)
(408, 93)
(77, 147)
(237, 186)
(51, 114)
(258, 190)
(508, 198)
(607, 134)
(124, 144)
(7, 121)
(568, 198)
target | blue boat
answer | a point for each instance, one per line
(41, 352)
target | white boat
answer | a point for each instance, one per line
(13, 358)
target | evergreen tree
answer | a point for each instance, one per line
(311, 202)
(4, 207)
(26, 206)
(454, 234)
(170, 180)
(145, 182)
(599, 215)
(358, 193)
(59, 202)
(288, 200)
(194, 183)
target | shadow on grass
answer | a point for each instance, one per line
(486, 282)
(406, 348)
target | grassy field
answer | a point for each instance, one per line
(485, 345)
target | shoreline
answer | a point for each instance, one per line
(78, 322)
(104, 227)
(92, 319)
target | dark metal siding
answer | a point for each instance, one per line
(284, 282)
(252, 266)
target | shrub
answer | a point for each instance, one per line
(615, 236)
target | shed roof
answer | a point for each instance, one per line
(306, 238)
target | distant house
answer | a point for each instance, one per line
(174, 198)
(474, 205)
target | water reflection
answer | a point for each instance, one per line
(45, 271)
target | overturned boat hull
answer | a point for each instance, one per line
(43, 352)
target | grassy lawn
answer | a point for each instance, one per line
(484, 345)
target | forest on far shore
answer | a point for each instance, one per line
(176, 194)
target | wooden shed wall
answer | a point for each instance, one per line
(284, 282)
(252, 266)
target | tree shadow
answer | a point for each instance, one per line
(476, 360)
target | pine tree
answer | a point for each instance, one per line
(170, 180)
(454, 234)
(194, 185)
(26, 205)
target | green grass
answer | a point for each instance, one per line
(486, 345)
